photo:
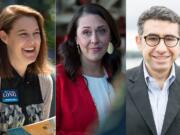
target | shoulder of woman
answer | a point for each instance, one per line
(60, 71)
(45, 79)
(46, 85)
(59, 68)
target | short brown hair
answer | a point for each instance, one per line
(157, 13)
(7, 18)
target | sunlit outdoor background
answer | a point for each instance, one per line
(47, 9)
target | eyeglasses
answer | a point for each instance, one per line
(154, 40)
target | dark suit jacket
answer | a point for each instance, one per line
(139, 117)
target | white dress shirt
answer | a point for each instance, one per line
(158, 97)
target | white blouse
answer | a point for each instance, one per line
(102, 93)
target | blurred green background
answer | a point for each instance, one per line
(47, 9)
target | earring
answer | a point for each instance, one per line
(78, 48)
(110, 48)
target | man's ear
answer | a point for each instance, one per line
(138, 42)
(3, 36)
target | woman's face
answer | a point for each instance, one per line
(23, 41)
(93, 36)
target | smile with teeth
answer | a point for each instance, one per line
(29, 53)
(29, 49)
(161, 57)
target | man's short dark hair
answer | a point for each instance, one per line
(157, 13)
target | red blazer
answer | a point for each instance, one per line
(75, 108)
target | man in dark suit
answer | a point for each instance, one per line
(153, 88)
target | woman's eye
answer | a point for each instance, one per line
(101, 31)
(36, 33)
(87, 33)
(23, 34)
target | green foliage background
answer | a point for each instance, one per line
(46, 8)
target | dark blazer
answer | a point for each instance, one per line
(139, 117)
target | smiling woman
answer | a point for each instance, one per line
(23, 43)
(84, 91)
(92, 38)
(24, 69)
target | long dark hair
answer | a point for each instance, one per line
(68, 50)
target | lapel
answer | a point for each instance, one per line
(173, 106)
(139, 93)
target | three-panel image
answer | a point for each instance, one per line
(89, 67)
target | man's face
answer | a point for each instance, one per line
(160, 57)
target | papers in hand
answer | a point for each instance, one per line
(45, 127)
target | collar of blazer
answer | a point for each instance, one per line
(173, 106)
(138, 91)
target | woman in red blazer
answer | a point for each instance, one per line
(83, 87)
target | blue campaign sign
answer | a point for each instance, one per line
(9, 95)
